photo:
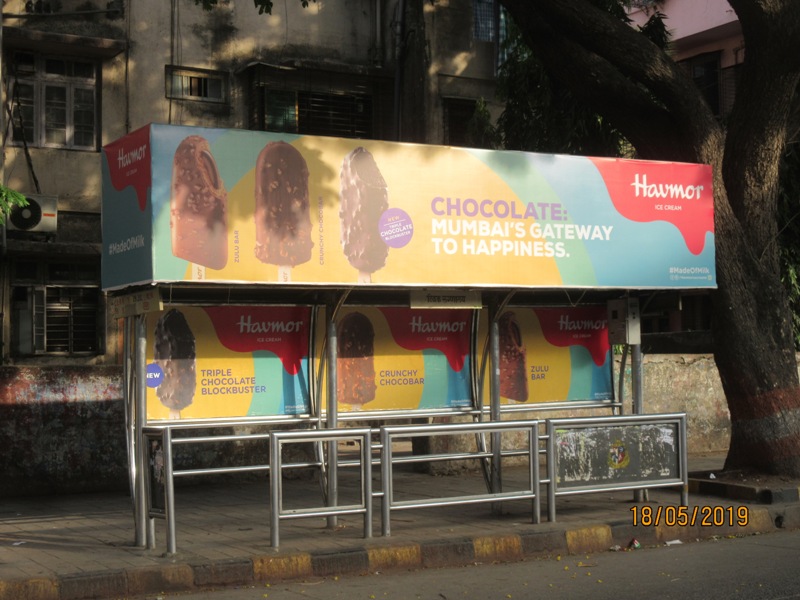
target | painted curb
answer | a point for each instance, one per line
(443, 553)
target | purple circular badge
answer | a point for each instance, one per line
(154, 376)
(396, 227)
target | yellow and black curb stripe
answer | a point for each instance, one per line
(382, 555)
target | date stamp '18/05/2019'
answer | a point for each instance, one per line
(689, 516)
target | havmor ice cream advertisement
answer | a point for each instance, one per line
(227, 361)
(391, 358)
(553, 355)
(220, 205)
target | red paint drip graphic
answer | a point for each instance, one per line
(281, 330)
(129, 163)
(677, 193)
(447, 331)
(580, 326)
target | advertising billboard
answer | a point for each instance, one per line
(217, 362)
(391, 358)
(554, 355)
(232, 206)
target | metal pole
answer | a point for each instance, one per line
(332, 417)
(386, 481)
(366, 478)
(551, 472)
(169, 486)
(496, 479)
(274, 490)
(684, 460)
(533, 459)
(638, 401)
(128, 398)
(139, 413)
(636, 379)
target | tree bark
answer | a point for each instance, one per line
(654, 103)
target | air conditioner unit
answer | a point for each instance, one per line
(41, 215)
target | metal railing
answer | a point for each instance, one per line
(388, 460)
(277, 512)
(667, 436)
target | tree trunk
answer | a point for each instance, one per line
(639, 89)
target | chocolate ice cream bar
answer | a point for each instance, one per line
(355, 366)
(174, 352)
(513, 379)
(364, 198)
(198, 206)
(282, 216)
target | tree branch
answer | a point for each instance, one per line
(620, 73)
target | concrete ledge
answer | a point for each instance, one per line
(624, 534)
(596, 538)
(497, 548)
(353, 562)
(166, 578)
(225, 572)
(549, 539)
(543, 542)
(29, 589)
(786, 517)
(444, 554)
(701, 485)
(395, 557)
(276, 568)
(82, 586)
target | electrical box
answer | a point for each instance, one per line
(624, 321)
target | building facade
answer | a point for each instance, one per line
(79, 74)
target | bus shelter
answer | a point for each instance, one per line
(311, 281)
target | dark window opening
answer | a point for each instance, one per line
(56, 308)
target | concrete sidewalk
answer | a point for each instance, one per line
(82, 546)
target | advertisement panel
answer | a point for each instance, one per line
(553, 355)
(227, 362)
(216, 205)
(402, 359)
(618, 454)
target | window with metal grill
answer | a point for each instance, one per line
(484, 20)
(315, 102)
(196, 84)
(316, 113)
(56, 308)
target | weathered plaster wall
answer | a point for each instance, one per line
(62, 429)
(671, 384)
(690, 384)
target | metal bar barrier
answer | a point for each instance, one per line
(388, 433)
(160, 472)
(332, 436)
(592, 454)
